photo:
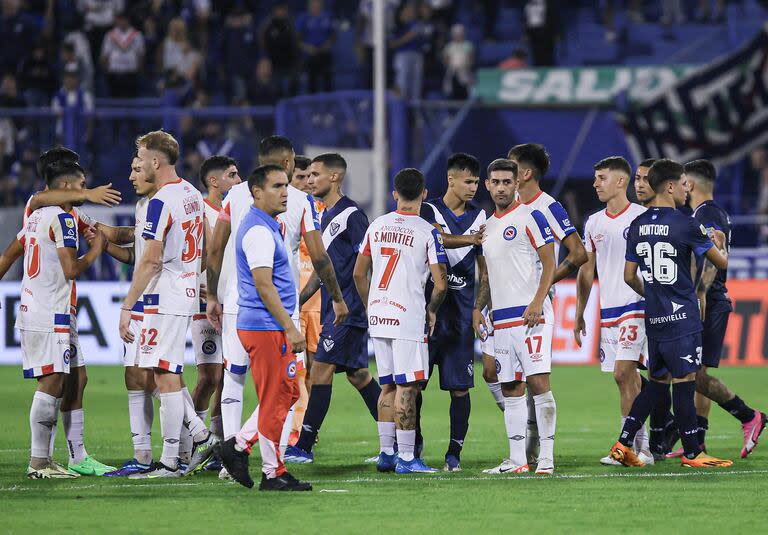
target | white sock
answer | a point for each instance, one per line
(216, 426)
(247, 435)
(533, 429)
(495, 389)
(53, 430)
(641, 440)
(285, 434)
(387, 437)
(171, 422)
(42, 418)
(203, 415)
(196, 426)
(406, 443)
(74, 423)
(232, 403)
(141, 413)
(546, 418)
(515, 416)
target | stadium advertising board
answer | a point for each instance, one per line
(577, 86)
(746, 342)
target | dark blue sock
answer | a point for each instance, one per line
(459, 413)
(317, 408)
(738, 409)
(370, 394)
(659, 419)
(641, 408)
(419, 446)
(685, 416)
(703, 424)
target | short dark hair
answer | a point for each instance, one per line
(62, 169)
(272, 144)
(56, 154)
(461, 161)
(663, 171)
(614, 163)
(213, 164)
(258, 176)
(532, 154)
(647, 162)
(333, 160)
(409, 183)
(703, 169)
(501, 164)
(302, 162)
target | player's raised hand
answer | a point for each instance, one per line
(341, 312)
(532, 314)
(213, 312)
(125, 326)
(479, 324)
(580, 329)
(104, 195)
(296, 339)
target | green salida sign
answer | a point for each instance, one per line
(579, 86)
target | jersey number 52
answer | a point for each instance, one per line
(659, 263)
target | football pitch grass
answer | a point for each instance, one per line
(351, 497)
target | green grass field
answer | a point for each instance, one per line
(351, 497)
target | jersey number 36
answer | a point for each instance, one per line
(659, 263)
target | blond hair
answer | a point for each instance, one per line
(162, 142)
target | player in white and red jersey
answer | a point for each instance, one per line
(300, 219)
(533, 162)
(218, 174)
(139, 382)
(519, 253)
(309, 314)
(50, 241)
(167, 277)
(400, 250)
(623, 345)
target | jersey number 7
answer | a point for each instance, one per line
(393, 258)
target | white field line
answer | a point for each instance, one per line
(401, 480)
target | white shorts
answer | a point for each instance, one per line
(235, 357)
(626, 341)
(162, 341)
(206, 342)
(76, 357)
(131, 351)
(522, 351)
(44, 353)
(401, 361)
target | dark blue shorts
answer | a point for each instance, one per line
(343, 346)
(678, 357)
(713, 336)
(452, 349)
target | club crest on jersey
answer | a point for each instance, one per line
(626, 232)
(70, 222)
(509, 233)
(291, 369)
(328, 344)
(334, 228)
(209, 347)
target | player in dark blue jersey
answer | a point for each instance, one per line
(451, 346)
(713, 294)
(662, 242)
(342, 347)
